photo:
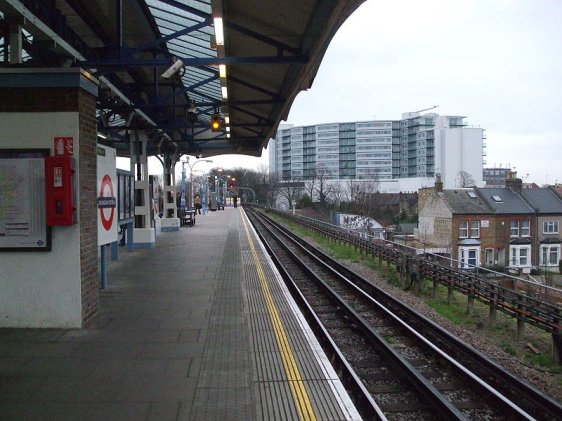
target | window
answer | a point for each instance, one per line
(525, 228)
(474, 229)
(550, 255)
(514, 228)
(468, 257)
(463, 229)
(550, 227)
(497, 199)
(519, 256)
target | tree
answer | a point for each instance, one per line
(310, 185)
(289, 193)
(323, 188)
(304, 201)
(358, 197)
(465, 179)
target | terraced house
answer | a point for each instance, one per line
(502, 227)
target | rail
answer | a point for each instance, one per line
(521, 305)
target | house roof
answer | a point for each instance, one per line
(544, 200)
(464, 202)
(504, 200)
(501, 200)
(407, 228)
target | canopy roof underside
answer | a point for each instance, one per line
(272, 50)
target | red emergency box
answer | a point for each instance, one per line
(59, 188)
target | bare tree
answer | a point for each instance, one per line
(465, 179)
(289, 193)
(323, 188)
(310, 184)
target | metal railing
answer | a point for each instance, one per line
(529, 302)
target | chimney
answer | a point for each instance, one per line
(514, 183)
(438, 183)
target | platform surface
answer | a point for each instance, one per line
(198, 328)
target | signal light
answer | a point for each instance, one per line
(216, 123)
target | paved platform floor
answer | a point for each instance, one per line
(183, 334)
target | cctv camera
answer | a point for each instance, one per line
(192, 113)
(173, 69)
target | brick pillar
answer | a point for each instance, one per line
(53, 92)
(88, 206)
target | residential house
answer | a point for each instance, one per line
(454, 221)
(511, 231)
(508, 227)
(548, 207)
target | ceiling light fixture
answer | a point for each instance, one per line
(222, 71)
(224, 92)
(219, 32)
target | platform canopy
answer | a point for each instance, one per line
(271, 50)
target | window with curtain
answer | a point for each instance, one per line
(463, 229)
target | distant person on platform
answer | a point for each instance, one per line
(197, 202)
(235, 200)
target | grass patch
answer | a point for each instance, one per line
(453, 312)
(508, 348)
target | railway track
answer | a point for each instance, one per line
(397, 364)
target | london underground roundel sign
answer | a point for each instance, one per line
(107, 202)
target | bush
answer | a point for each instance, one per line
(304, 202)
(560, 266)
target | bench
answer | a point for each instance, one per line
(187, 217)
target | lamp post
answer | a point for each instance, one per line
(205, 197)
(190, 180)
(222, 196)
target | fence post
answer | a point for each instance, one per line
(493, 307)
(557, 347)
(470, 305)
(557, 339)
(520, 321)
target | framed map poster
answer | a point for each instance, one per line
(23, 225)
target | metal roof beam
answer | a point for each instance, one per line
(187, 89)
(171, 36)
(181, 125)
(186, 8)
(252, 86)
(260, 37)
(199, 104)
(195, 61)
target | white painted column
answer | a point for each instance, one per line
(144, 235)
(16, 44)
(170, 222)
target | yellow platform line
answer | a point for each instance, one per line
(298, 389)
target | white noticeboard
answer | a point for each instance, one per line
(107, 195)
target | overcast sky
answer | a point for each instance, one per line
(497, 62)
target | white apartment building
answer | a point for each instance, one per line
(401, 155)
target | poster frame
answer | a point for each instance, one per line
(38, 153)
